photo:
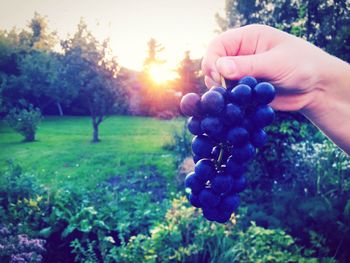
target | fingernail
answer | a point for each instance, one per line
(226, 66)
(215, 76)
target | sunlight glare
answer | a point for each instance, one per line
(160, 73)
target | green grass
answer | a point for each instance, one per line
(63, 152)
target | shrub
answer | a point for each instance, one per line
(180, 143)
(25, 121)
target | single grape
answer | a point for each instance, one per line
(194, 125)
(205, 169)
(222, 216)
(221, 183)
(194, 200)
(208, 198)
(263, 116)
(196, 158)
(238, 136)
(244, 153)
(210, 213)
(264, 93)
(248, 80)
(202, 146)
(239, 184)
(229, 203)
(190, 104)
(212, 126)
(258, 138)
(233, 168)
(221, 90)
(241, 94)
(212, 102)
(194, 183)
(233, 114)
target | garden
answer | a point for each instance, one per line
(93, 155)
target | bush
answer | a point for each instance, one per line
(180, 143)
(25, 121)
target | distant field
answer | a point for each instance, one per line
(63, 152)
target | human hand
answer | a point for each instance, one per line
(306, 78)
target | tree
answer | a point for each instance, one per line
(188, 71)
(324, 23)
(91, 68)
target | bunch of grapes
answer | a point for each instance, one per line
(228, 127)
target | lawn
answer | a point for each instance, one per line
(64, 154)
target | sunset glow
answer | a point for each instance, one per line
(160, 73)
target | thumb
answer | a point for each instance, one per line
(236, 67)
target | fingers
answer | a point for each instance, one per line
(242, 42)
(237, 67)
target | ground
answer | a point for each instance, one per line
(63, 152)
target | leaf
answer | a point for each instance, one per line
(46, 232)
(85, 226)
(69, 229)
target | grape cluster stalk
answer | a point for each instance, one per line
(228, 124)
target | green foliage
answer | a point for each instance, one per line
(183, 236)
(324, 23)
(180, 143)
(91, 68)
(25, 121)
(258, 244)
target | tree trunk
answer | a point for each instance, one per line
(30, 137)
(59, 108)
(95, 138)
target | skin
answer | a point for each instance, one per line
(306, 78)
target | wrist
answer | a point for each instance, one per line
(329, 107)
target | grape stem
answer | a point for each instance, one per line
(223, 82)
(220, 155)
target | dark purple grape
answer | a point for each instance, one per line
(229, 203)
(194, 200)
(194, 125)
(194, 183)
(221, 183)
(212, 126)
(212, 102)
(233, 114)
(210, 213)
(241, 94)
(239, 184)
(243, 153)
(264, 93)
(233, 168)
(208, 198)
(238, 136)
(258, 138)
(190, 104)
(248, 80)
(222, 217)
(263, 116)
(205, 169)
(221, 90)
(196, 158)
(202, 146)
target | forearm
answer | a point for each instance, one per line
(330, 108)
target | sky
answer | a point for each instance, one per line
(178, 25)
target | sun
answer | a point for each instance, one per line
(160, 73)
